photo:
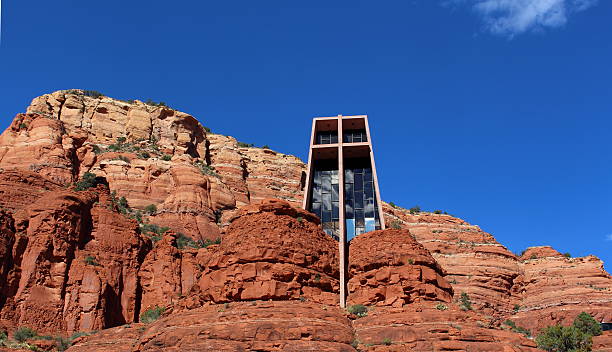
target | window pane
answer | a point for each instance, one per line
(367, 174)
(335, 192)
(326, 217)
(334, 138)
(358, 200)
(358, 182)
(348, 176)
(335, 212)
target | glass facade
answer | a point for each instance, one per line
(354, 136)
(324, 198)
(360, 203)
(326, 137)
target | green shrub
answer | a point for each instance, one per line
(516, 308)
(121, 140)
(299, 219)
(516, 328)
(206, 129)
(415, 210)
(387, 341)
(585, 323)
(183, 242)
(166, 157)
(441, 306)
(92, 93)
(96, 149)
(88, 180)
(152, 228)
(393, 205)
(153, 103)
(151, 315)
(23, 126)
(24, 333)
(89, 260)
(564, 339)
(3, 337)
(206, 169)
(567, 255)
(396, 224)
(143, 155)
(437, 211)
(358, 309)
(466, 302)
(265, 146)
(245, 145)
(151, 209)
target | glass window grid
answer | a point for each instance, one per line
(325, 200)
(354, 136)
(360, 199)
(326, 137)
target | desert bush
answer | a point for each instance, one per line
(441, 306)
(516, 328)
(151, 209)
(564, 339)
(89, 260)
(24, 333)
(166, 157)
(358, 309)
(151, 315)
(387, 341)
(92, 93)
(245, 145)
(465, 301)
(415, 210)
(585, 323)
(88, 180)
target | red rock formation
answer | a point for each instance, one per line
(20, 188)
(434, 327)
(474, 261)
(390, 267)
(167, 273)
(74, 265)
(252, 326)
(270, 251)
(554, 289)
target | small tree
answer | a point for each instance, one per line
(151, 209)
(564, 338)
(358, 309)
(87, 181)
(466, 302)
(415, 210)
(24, 333)
(151, 315)
(585, 323)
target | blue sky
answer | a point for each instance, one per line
(497, 111)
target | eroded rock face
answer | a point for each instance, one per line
(272, 251)
(74, 264)
(159, 156)
(389, 267)
(423, 327)
(554, 289)
(474, 261)
(245, 326)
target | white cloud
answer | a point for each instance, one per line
(512, 17)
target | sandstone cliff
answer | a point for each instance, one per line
(75, 261)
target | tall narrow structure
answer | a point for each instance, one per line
(342, 187)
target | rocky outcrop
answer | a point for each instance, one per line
(151, 155)
(252, 326)
(474, 261)
(167, 273)
(390, 267)
(20, 188)
(272, 251)
(553, 289)
(74, 264)
(434, 327)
